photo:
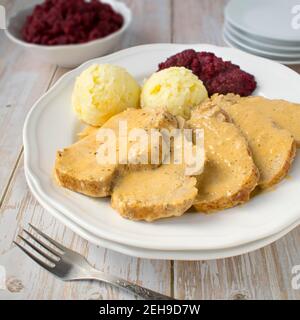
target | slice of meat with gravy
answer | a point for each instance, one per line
(153, 194)
(229, 174)
(285, 114)
(76, 167)
(273, 148)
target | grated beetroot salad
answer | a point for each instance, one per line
(217, 75)
(60, 22)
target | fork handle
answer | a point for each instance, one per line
(142, 292)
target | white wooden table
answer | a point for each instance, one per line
(264, 274)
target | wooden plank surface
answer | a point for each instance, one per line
(19, 209)
(26, 280)
(263, 274)
(22, 81)
(151, 22)
(198, 21)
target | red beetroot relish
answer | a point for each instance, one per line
(59, 22)
(217, 75)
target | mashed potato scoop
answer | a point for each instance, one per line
(176, 89)
(102, 91)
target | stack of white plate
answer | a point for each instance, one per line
(267, 28)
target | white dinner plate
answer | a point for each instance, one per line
(268, 20)
(52, 125)
(264, 53)
(259, 44)
(270, 52)
(234, 42)
(156, 254)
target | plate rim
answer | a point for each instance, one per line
(255, 41)
(235, 45)
(278, 52)
(263, 38)
(240, 42)
(185, 255)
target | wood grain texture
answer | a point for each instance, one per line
(151, 22)
(25, 280)
(263, 274)
(20, 208)
(198, 21)
(22, 81)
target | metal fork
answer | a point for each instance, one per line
(69, 265)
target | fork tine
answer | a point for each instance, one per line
(38, 250)
(55, 243)
(53, 251)
(38, 261)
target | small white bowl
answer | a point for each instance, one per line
(71, 55)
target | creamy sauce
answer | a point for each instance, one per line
(271, 145)
(229, 163)
(285, 114)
